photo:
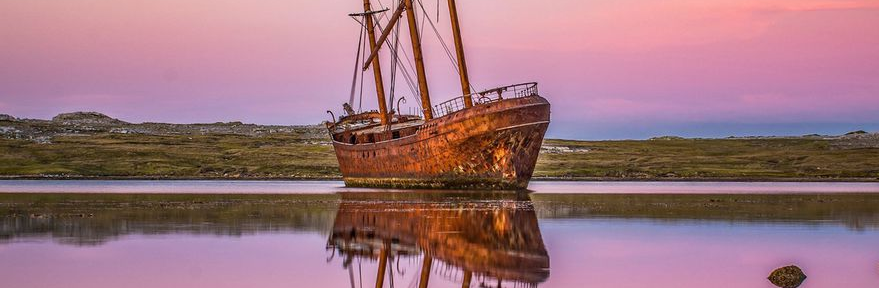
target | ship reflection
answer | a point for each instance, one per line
(482, 239)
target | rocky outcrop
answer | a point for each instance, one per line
(666, 138)
(857, 140)
(787, 277)
(86, 118)
(7, 117)
(553, 149)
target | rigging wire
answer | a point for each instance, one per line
(394, 61)
(395, 49)
(393, 82)
(448, 51)
(356, 65)
(360, 64)
(405, 72)
(438, 36)
(449, 54)
(423, 18)
(407, 75)
(363, 54)
(360, 104)
(412, 83)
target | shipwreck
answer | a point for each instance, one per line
(479, 140)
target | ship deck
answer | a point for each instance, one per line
(378, 128)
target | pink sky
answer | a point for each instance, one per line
(611, 69)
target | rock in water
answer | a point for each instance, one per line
(787, 277)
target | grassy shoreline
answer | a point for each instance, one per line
(90, 145)
(108, 156)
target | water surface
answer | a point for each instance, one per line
(329, 187)
(317, 234)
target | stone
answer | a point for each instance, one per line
(787, 277)
(6, 117)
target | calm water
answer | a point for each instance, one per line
(317, 234)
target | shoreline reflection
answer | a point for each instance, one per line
(95, 219)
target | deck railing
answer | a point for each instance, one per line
(493, 95)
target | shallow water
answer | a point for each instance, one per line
(329, 187)
(317, 234)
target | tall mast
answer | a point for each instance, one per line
(419, 60)
(376, 67)
(459, 48)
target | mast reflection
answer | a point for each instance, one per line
(483, 239)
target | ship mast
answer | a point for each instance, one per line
(459, 48)
(405, 6)
(376, 66)
(419, 60)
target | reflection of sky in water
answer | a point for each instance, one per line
(583, 253)
(591, 240)
(625, 253)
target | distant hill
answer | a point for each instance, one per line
(86, 118)
(89, 123)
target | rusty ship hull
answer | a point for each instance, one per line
(492, 145)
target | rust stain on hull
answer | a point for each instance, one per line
(488, 146)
